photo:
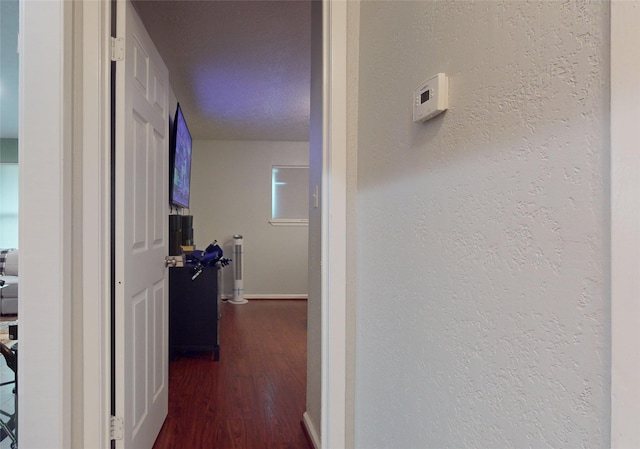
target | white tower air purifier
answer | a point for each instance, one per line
(238, 282)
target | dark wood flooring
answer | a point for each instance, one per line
(254, 397)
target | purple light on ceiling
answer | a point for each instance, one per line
(237, 94)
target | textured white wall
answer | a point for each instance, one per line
(231, 194)
(483, 302)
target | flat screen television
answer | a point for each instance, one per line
(180, 161)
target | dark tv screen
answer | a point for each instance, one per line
(180, 161)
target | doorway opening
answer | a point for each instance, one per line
(50, 191)
(275, 248)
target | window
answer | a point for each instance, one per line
(289, 195)
(8, 205)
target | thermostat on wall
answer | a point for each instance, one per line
(431, 98)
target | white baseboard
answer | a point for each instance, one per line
(270, 296)
(276, 296)
(311, 430)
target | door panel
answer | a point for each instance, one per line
(141, 321)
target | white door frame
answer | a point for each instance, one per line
(334, 225)
(53, 406)
(95, 24)
(46, 214)
(45, 217)
(625, 224)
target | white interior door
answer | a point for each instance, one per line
(141, 209)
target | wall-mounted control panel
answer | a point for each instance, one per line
(431, 98)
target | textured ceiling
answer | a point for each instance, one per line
(240, 69)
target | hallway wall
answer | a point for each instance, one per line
(231, 194)
(483, 315)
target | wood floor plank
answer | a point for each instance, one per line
(254, 397)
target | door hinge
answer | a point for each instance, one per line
(116, 427)
(117, 49)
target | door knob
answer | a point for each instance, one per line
(170, 261)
